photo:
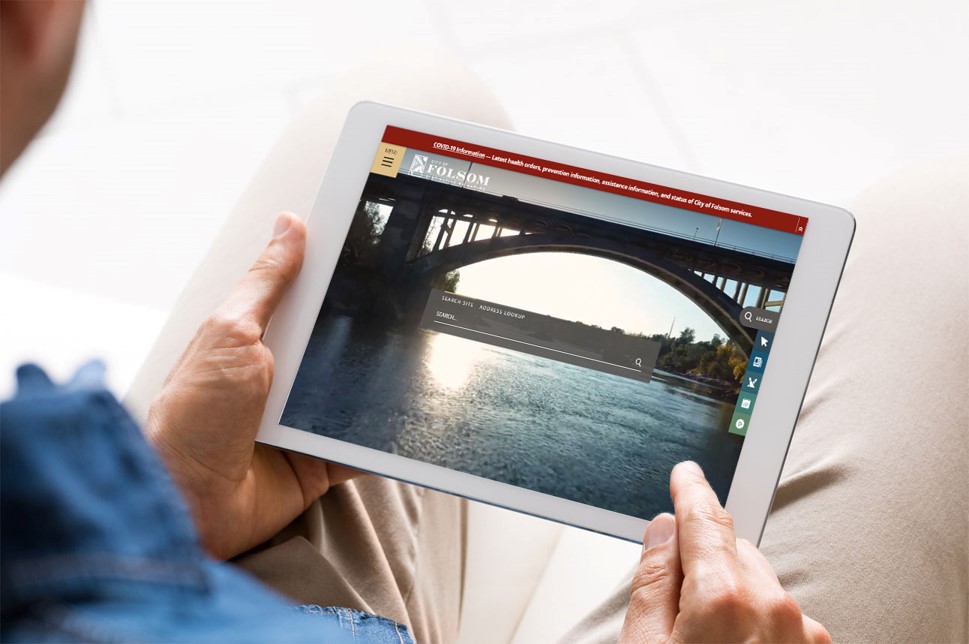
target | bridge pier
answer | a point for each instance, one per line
(406, 227)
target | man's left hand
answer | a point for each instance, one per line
(204, 421)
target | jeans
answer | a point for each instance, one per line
(98, 545)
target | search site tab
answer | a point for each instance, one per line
(608, 350)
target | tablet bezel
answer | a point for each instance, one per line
(808, 303)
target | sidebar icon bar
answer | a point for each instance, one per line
(751, 383)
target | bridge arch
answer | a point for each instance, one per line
(720, 307)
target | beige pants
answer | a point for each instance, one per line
(869, 530)
(870, 527)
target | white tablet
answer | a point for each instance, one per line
(549, 329)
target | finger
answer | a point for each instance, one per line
(779, 604)
(704, 528)
(317, 476)
(815, 632)
(654, 601)
(754, 561)
(342, 474)
(257, 294)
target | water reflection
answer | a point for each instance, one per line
(556, 428)
(450, 361)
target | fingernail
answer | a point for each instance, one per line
(693, 467)
(283, 222)
(659, 530)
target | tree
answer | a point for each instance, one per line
(716, 358)
(723, 362)
(447, 282)
(360, 247)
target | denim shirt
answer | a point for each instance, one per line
(98, 545)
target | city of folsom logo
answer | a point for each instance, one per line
(419, 163)
(438, 170)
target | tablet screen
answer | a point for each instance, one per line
(543, 325)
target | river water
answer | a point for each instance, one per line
(569, 431)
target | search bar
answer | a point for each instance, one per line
(760, 319)
(610, 351)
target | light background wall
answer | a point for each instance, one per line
(106, 216)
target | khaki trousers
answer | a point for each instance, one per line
(869, 528)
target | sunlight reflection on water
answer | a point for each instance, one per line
(556, 428)
(450, 360)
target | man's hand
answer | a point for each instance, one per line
(698, 582)
(204, 421)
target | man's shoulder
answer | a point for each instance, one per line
(39, 398)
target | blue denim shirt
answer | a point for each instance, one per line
(97, 544)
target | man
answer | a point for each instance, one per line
(696, 580)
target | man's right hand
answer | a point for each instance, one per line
(698, 582)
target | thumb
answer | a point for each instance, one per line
(654, 602)
(258, 294)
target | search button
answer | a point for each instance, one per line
(639, 362)
(760, 319)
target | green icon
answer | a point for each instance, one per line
(745, 403)
(751, 382)
(739, 424)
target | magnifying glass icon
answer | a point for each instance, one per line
(639, 362)
(748, 316)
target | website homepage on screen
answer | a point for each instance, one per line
(555, 328)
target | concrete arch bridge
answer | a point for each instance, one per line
(435, 228)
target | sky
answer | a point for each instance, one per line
(585, 289)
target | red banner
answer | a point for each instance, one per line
(597, 180)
